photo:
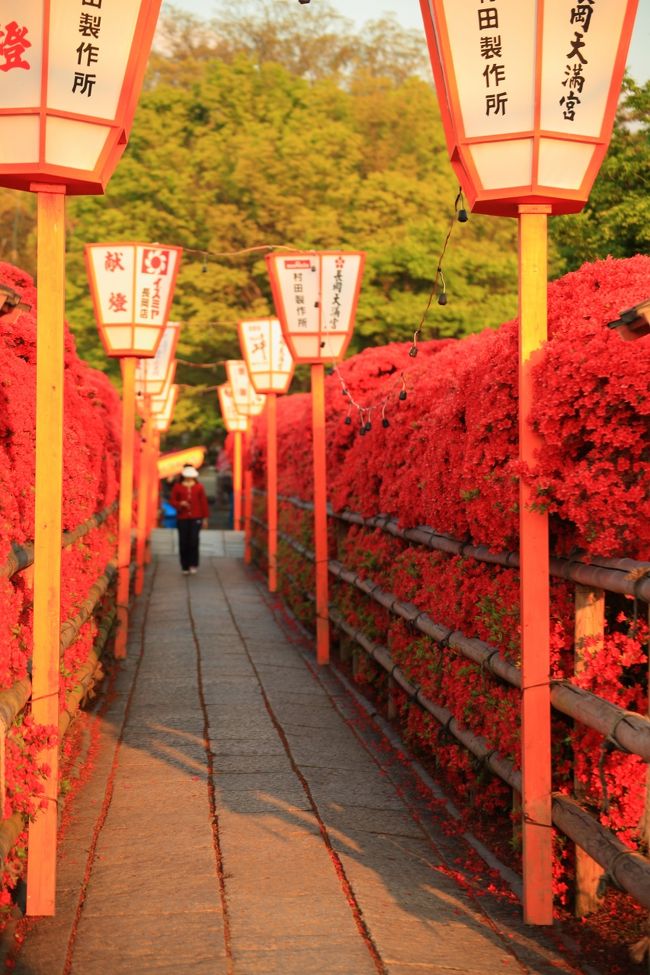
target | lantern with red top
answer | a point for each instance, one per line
(237, 424)
(316, 295)
(163, 410)
(270, 366)
(70, 79)
(528, 91)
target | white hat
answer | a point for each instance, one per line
(189, 471)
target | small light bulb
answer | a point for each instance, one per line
(442, 298)
(463, 216)
(413, 351)
(368, 426)
(348, 421)
(385, 424)
(402, 394)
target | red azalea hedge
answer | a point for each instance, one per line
(449, 459)
(90, 483)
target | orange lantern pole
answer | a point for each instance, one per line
(125, 517)
(272, 486)
(236, 424)
(237, 480)
(248, 497)
(132, 287)
(315, 295)
(320, 513)
(41, 871)
(66, 128)
(528, 91)
(144, 498)
(154, 493)
(247, 404)
(270, 367)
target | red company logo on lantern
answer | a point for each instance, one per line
(298, 265)
(155, 261)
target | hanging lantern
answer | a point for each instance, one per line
(233, 420)
(162, 417)
(528, 91)
(315, 295)
(132, 287)
(70, 78)
(246, 400)
(152, 375)
(266, 354)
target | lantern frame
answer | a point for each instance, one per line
(233, 420)
(162, 418)
(35, 122)
(321, 336)
(147, 384)
(505, 200)
(252, 403)
(277, 380)
(134, 327)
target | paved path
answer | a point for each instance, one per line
(242, 818)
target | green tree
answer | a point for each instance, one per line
(616, 220)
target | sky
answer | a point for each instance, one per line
(408, 14)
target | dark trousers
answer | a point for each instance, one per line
(188, 541)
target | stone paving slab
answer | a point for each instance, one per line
(237, 821)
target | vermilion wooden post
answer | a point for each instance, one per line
(154, 486)
(248, 498)
(589, 637)
(126, 503)
(41, 871)
(534, 556)
(320, 513)
(272, 487)
(237, 481)
(144, 500)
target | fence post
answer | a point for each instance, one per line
(589, 636)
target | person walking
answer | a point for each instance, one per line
(189, 500)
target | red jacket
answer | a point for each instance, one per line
(197, 503)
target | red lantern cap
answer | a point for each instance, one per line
(70, 78)
(132, 287)
(316, 295)
(267, 356)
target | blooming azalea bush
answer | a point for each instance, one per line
(90, 484)
(448, 459)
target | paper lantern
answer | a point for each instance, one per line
(528, 91)
(152, 375)
(246, 400)
(266, 354)
(70, 77)
(234, 421)
(132, 287)
(316, 295)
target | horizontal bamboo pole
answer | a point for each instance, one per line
(626, 730)
(70, 629)
(22, 556)
(625, 576)
(629, 869)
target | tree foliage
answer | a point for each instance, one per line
(268, 125)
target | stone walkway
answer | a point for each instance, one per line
(242, 817)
